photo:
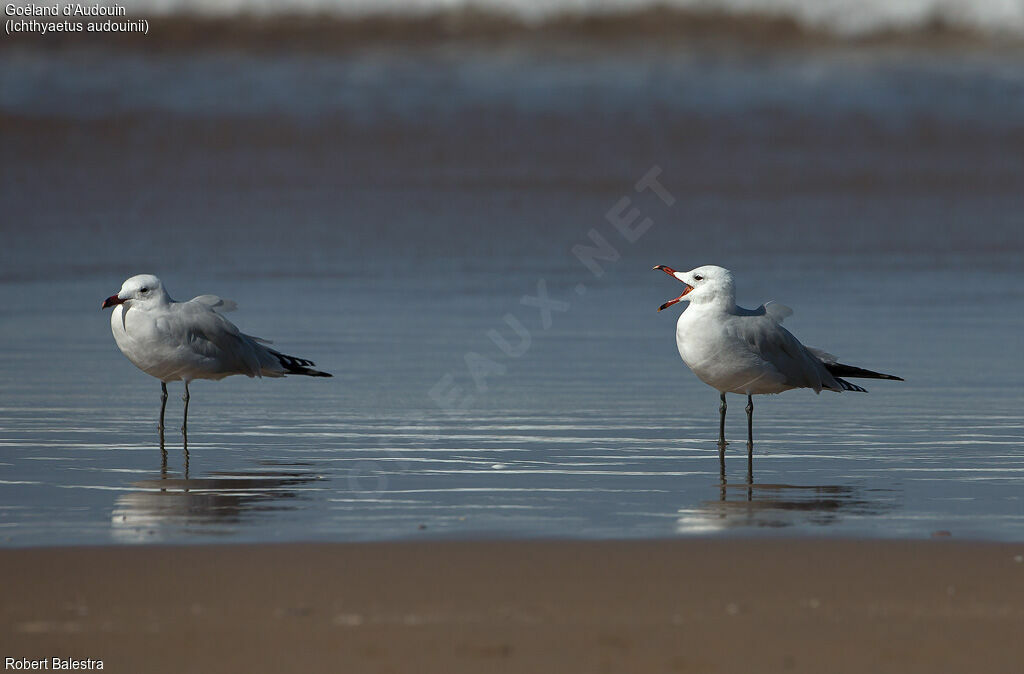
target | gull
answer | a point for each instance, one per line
(189, 340)
(747, 351)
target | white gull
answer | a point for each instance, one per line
(747, 351)
(189, 340)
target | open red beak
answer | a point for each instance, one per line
(111, 301)
(672, 272)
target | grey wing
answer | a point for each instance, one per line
(258, 339)
(214, 302)
(222, 305)
(777, 346)
(823, 356)
(210, 336)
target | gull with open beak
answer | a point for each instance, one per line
(747, 351)
(189, 340)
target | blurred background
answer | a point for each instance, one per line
(379, 184)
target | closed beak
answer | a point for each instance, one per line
(111, 301)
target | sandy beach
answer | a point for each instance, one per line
(392, 195)
(674, 606)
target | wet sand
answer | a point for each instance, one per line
(697, 605)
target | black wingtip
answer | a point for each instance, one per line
(293, 365)
(847, 386)
(842, 370)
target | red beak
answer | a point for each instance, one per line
(672, 272)
(111, 301)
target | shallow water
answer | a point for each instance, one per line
(382, 212)
(593, 433)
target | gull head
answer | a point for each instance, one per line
(138, 290)
(703, 284)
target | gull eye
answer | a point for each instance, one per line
(144, 290)
(698, 277)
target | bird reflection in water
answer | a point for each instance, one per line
(750, 468)
(750, 504)
(163, 448)
(216, 505)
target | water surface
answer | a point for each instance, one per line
(382, 210)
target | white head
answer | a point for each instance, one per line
(139, 291)
(704, 285)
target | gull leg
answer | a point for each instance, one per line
(184, 420)
(750, 439)
(721, 423)
(750, 420)
(184, 442)
(163, 406)
(721, 448)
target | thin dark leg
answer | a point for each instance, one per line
(184, 420)
(184, 432)
(750, 420)
(721, 422)
(163, 406)
(750, 440)
(160, 427)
